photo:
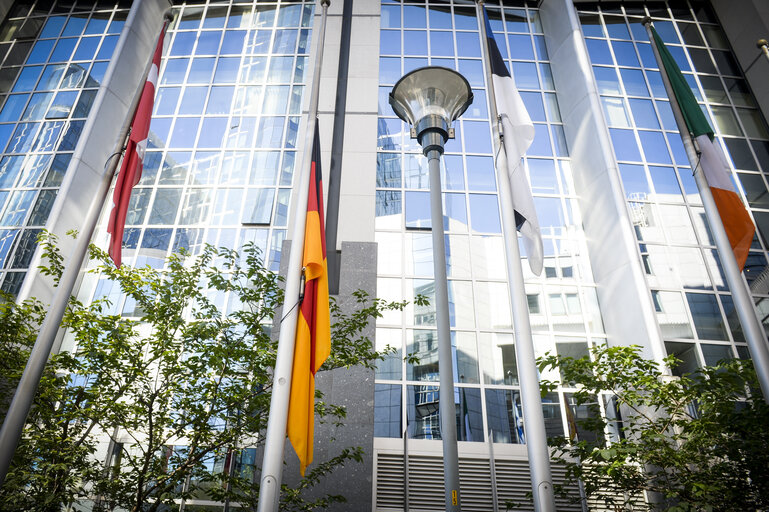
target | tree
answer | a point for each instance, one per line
(698, 442)
(54, 462)
(182, 389)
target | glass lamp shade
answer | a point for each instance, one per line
(431, 91)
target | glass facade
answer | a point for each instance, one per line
(222, 150)
(562, 301)
(222, 144)
(53, 60)
(694, 308)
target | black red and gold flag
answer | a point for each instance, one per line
(313, 335)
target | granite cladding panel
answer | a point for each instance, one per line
(350, 387)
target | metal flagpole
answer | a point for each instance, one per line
(493, 472)
(531, 401)
(406, 468)
(275, 438)
(13, 425)
(743, 303)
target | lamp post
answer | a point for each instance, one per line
(429, 99)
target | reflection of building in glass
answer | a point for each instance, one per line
(628, 255)
(426, 421)
(638, 270)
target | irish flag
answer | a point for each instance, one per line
(739, 227)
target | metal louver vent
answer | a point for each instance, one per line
(426, 484)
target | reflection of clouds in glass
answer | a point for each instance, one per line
(671, 314)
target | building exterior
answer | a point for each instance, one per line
(628, 255)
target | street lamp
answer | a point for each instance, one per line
(429, 99)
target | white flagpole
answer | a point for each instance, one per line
(743, 303)
(533, 419)
(406, 468)
(275, 438)
(13, 424)
(493, 472)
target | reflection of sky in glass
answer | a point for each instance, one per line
(479, 300)
(42, 54)
(662, 199)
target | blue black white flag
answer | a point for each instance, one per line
(517, 133)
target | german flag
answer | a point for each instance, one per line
(313, 333)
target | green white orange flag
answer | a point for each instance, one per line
(313, 333)
(737, 222)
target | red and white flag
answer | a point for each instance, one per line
(131, 170)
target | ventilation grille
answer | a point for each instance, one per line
(629, 502)
(426, 484)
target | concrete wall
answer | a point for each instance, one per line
(101, 134)
(626, 306)
(744, 23)
(358, 181)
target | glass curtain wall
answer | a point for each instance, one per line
(562, 302)
(695, 311)
(222, 143)
(54, 56)
(221, 152)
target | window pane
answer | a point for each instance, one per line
(707, 317)
(422, 412)
(671, 314)
(625, 145)
(713, 354)
(165, 206)
(387, 411)
(484, 213)
(258, 208)
(505, 421)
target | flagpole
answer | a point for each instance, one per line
(13, 424)
(743, 303)
(531, 401)
(275, 437)
(493, 472)
(406, 468)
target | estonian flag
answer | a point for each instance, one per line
(517, 132)
(739, 228)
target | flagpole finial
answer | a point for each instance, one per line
(325, 3)
(647, 20)
(168, 15)
(762, 42)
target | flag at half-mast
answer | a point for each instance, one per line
(517, 135)
(131, 169)
(737, 223)
(313, 333)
